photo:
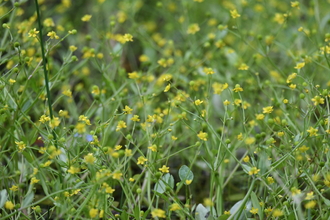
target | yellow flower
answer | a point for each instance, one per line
(120, 125)
(312, 131)
(33, 33)
(254, 170)
(238, 88)
(292, 86)
(309, 196)
(86, 18)
(164, 169)
(193, 28)
(21, 145)
(47, 164)
(167, 88)
(95, 90)
(135, 118)
(143, 58)
(310, 204)
(250, 140)
(80, 127)
(14, 188)
(198, 102)
(85, 119)
(118, 147)
(226, 212)
(188, 182)
(48, 22)
(175, 207)
(127, 110)
(128, 37)
(267, 110)
(303, 149)
(73, 170)
(295, 191)
(142, 160)
(202, 135)
(246, 159)
(277, 213)
(55, 122)
(34, 180)
(291, 77)
(254, 210)
(35, 170)
(158, 213)
(9, 205)
(133, 75)
(218, 88)
(89, 158)
(63, 113)
(67, 93)
(128, 152)
(109, 190)
(318, 100)
(12, 81)
(93, 213)
(226, 102)
(300, 65)
(270, 180)
(295, 4)
(153, 148)
(260, 116)
(279, 18)
(52, 35)
(243, 66)
(234, 14)
(208, 71)
(117, 175)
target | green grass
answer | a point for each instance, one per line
(164, 109)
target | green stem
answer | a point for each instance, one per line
(44, 67)
(47, 83)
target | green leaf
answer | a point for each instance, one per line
(10, 100)
(246, 168)
(28, 199)
(223, 217)
(124, 215)
(3, 197)
(255, 203)
(239, 207)
(166, 180)
(185, 174)
(201, 213)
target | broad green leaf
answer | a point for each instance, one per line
(28, 199)
(10, 100)
(201, 213)
(239, 207)
(166, 180)
(246, 168)
(3, 197)
(185, 174)
(255, 203)
(223, 217)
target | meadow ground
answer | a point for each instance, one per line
(191, 109)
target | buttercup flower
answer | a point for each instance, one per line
(234, 14)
